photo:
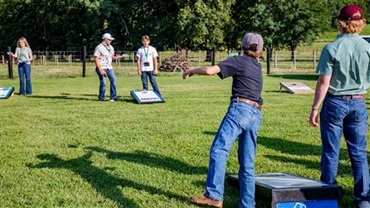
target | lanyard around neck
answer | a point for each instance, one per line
(21, 50)
(106, 47)
(146, 53)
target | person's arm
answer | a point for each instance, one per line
(30, 56)
(13, 54)
(97, 64)
(210, 70)
(116, 57)
(155, 63)
(322, 87)
(138, 63)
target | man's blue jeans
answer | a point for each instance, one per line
(348, 116)
(152, 79)
(112, 78)
(241, 120)
(24, 72)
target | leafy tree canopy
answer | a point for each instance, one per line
(171, 24)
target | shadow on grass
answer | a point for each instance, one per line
(128, 99)
(211, 133)
(306, 77)
(63, 96)
(89, 97)
(103, 182)
(301, 149)
(152, 160)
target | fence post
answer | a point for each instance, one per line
(314, 58)
(213, 56)
(10, 64)
(84, 61)
(56, 58)
(275, 60)
(268, 54)
(198, 58)
(294, 64)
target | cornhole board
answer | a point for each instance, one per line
(146, 96)
(6, 92)
(296, 88)
(285, 190)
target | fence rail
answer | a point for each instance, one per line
(52, 61)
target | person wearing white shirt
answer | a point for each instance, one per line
(147, 64)
(104, 54)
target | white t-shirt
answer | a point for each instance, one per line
(105, 54)
(146, 55)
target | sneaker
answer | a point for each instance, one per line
(100, 99)
(205, 201)
(364, 204)
(113, 100)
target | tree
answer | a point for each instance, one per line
(287, 23)
(54, 25)
(171, 24)
(154, 18)
(202, 24)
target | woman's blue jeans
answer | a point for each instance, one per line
(112, 78)
(24, 73)
(152, 79)
(241, 121)
(347, 116)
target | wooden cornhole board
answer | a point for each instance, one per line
(296, 88)
(284, 190)
(146, 96)
(6, 92)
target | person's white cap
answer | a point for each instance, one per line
(107, 36)
(253, 38)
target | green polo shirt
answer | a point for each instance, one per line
(347, 61)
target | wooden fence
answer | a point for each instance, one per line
(281, 61)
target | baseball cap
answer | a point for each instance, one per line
(252, 38)
(107, 36)
(351, 12)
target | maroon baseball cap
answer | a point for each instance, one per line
(351, 13)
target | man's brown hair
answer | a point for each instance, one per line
(145, 37)
(252, 51)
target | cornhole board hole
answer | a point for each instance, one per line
(6, 92)
(296, 88)
(285, 190)
(146, 96)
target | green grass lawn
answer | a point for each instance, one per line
(62, 148)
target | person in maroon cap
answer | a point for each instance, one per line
(344, 78)
(242, 120)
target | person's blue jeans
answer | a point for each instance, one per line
(152, 79)
(24, 73)
(241, 121)
(348, 116)
(112, 79)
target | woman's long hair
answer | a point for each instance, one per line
(24, 40)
